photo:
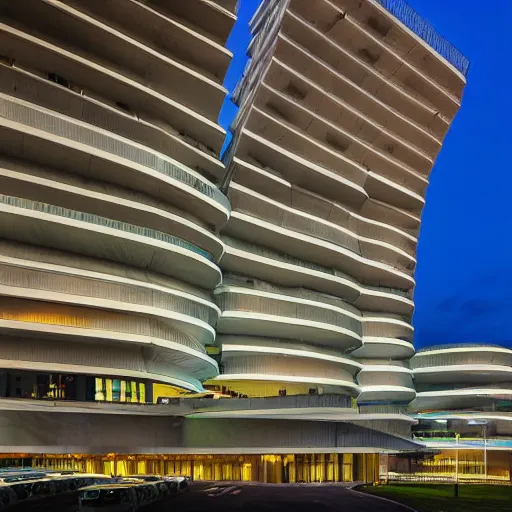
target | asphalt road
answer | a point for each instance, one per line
(254, 497)
(248, 497)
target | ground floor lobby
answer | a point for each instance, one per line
(323, 467)
(466, 465)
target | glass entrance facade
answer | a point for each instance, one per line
(292, 468)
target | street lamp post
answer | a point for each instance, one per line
(485, 452)
(457, 436)
(457, 465)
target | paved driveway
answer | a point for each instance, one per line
(254, 497)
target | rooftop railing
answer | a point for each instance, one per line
(401, 10)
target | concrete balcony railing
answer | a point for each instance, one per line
(405, 101)
(384, 348)
(302, 160)
(65, 285)
(283, 270)
(368, 44)
(70, 325)
(248, 204)
(309, 213)
(339, 402)
(83, 233)
(65, 354)
(164, 33)
(402, 38)
(67, 191)
(85, 36)
(464, 354)
(236, 345)
(215, 19)
(384, 382)
(31, 257)
(255, 312)
(477, 398)
(376, 220)
(427, 138)
(305, 133)
(323, 102)
(300, 171)
(101, 112)
(75, 70)
(101, 155)
(304, 373)
(386, 326)
(318, 251)
(386, 394)
(471, 374)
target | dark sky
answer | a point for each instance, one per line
(464, 272)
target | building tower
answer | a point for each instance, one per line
(109, 145)
(343, 110)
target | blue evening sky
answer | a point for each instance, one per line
(464, 272)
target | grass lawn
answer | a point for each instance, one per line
(440, 498)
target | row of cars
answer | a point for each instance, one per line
(130, 493)
(22, 488)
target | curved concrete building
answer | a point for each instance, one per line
(462, 377)
(137, 266)
(109, 152)
(343, 110)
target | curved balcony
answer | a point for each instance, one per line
(260, 313)
(326, 76)
(254, 214)
(261, 263)
(48, 138)
(300, 171)
(269, 197)
(46, 225)
(385, 383)
(406, 101)
(252, 346)
(410, 170)
(413, 38)
(72, 324)
(342, 28)
(64, 355)
(46, 186)
(91, 108)
(397, 217)
(168, 34)
(297, 375)
(317, 251)
(77, 71)
(386, 300)
(386, 326)
(320, 101)
(384, 348)
(470, 374)
(96, 41)
(386, 393)
(475, 398)
(140, 283)
(182, 311)
(464, 354)
(273, 125)
(212, 18)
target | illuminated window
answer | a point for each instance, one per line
(118, 390)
